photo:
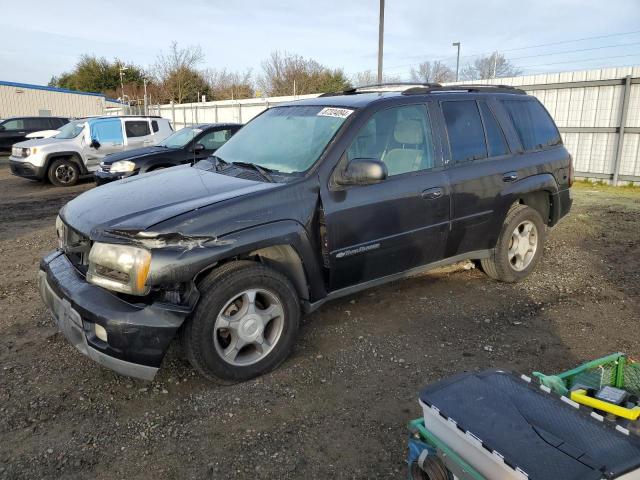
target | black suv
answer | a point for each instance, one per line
(186, 145)
(16, 129)
(310, 201)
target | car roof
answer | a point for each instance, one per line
(364, 96)
(32, 116)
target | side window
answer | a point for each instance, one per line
(495, 137)
(15, 124)
(107, 131)
(533, 124)
(464, 127)
(36, 124)
(400, 137)
(214, 140)
(136, 128)
(154, 125)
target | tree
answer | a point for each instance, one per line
(224, 85)
(287, 74)
(432, 72)
(492, 66)
(97, 74)
(178, 76)
(369, 77)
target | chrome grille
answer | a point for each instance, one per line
(17, 151)
(105, 168)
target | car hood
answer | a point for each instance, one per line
(139, 202)
(135, 153)
(41, 142)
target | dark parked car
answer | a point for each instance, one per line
(187, 145)
(16, 129)
(308, 202)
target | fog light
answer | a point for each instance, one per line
(101, 333)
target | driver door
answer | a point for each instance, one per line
(400, 223)
(108, 133)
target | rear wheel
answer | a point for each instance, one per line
(63, 172)
(519, 246)
(245, 324)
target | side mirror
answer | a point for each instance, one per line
(198, 147)
(363, 171)
(94, 144)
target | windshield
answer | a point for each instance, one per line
(180, 138)
(70, 130)
(285, 139)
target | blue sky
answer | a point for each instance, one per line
(41, 38)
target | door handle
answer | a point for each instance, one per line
(433, 193)
(510, 177)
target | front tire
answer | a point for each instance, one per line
(519, 246)
(63, 172)
(245, 323)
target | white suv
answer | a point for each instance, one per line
(80, 146)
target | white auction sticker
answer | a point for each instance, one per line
(335, 112)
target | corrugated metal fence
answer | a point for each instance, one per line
(597, 112)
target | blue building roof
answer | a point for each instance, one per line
(50, 89)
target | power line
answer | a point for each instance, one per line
(575, 51)
(579, 61)
(518, 48)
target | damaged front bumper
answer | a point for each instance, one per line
(138, 335)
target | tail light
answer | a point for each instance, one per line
(571, 172)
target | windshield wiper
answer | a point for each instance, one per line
(261, 170)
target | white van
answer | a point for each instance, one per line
(81, 144)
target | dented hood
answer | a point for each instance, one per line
(142, 201)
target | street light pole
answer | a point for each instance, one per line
(457, 44)
(380, 40)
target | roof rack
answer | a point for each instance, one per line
(382, 87)
(420, 90)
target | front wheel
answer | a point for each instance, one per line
(245, 324)
(519, 246)
(63, 173)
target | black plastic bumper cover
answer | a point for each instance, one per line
(26, 170)
(138, 336)
(101, 177)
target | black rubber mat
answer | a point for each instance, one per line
(534, 430)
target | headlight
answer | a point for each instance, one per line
(123, 166)
(120, 268)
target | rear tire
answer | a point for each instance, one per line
(519, 246)
(63, 172)
(245, 323)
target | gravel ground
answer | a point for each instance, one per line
(338, 407)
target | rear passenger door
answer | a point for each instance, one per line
(138, 133)
(400, 223)
(477, 172)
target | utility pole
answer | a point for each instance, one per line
(380, 40)
(457, 44)
(146, 109)
(122, 69)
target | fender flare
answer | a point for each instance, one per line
(543, 182)
(75, 157)
(195, 257)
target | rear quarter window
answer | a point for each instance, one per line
(533, 124)
(154, 125)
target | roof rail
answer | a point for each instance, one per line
(381, 87)
(464, 88)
